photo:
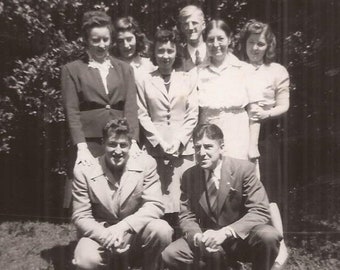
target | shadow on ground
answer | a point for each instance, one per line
(60, 256)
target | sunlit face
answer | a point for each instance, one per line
(208, 152)
(126, 42)
(98, 43)
(256, 48)
(217, 44)
(165, 54)
(117, 150)
(193, 27)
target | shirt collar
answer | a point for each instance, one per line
(215, 172)
(202, 48)
(94, 64)
(229, 61)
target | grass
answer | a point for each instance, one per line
(46, 246)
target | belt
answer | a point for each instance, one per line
(93, 106)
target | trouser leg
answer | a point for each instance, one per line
(153, 239)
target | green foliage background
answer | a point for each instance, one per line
(38, 36)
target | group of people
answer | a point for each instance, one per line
(167, 148)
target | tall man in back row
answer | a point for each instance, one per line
(117, 203)
(192, 25)
(224, 211)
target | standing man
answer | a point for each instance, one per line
(224, 211)
(117, 204)
(192, 25)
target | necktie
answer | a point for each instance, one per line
(198, 58)
(212, 192)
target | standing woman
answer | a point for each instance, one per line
(223, 95)
(168, 112)
(96, 89)
(130, 44)
(257, 46)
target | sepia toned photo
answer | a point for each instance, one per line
(170, 135)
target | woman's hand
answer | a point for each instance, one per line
(165, 146)
(259, 114)
(135, 151)
(174, 148)
(84, 155)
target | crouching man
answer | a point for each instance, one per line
(117, 204)
(224, 211)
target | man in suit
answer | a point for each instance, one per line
(224, 211)
(117, 204)
(192, 25)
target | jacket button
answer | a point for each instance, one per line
(108, 107)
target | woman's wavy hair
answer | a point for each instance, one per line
(92, 19)
(129, 24)
(256, 27)
(164, 36)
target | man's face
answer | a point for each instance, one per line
(117, 150)
(208, 152)
(192, 27)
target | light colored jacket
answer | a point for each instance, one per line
(140, 199)
(168, 115)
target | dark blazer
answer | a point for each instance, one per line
(242, 200)
(88, 107)
(187, 63)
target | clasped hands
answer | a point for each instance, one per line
(257, 113)
(112, 238)
(171, 149)
(211, 240)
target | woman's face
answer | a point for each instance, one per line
(256, 48)
(165, 54)
(98, 43)
(126, 42)
(217, 44)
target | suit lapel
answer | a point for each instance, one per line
(158, 82)
(226, 182)
(129, 179)
(99, 185)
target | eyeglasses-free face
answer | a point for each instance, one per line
(98, 43)
(117, 149)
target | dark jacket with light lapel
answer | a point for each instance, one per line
(140, 196)
(242, 200)
(88, 107)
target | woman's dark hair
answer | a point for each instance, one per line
(164, 36)
(117, 126)
(219, 24)
(211, 131)
(131, 25)
(257, 27)
(93, 19)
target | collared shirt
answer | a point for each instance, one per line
(216, 174)
(226, 86)
(103, 69)
(202, 49)
(270, 80)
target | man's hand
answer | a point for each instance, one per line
(213, 239)
(113, 236)
(201, 245)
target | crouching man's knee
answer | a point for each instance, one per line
(87, 255)
(158, 231)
